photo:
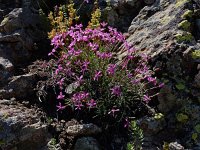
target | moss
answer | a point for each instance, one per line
(5, 20)
(182, 118)
(187, 14)
(197, 128)
(196, 54)
(180, 86)
(158, 116)
(181, 2)
(194, 136)
(2, 142)
(185, 37)
(165, 20)
(185, 25)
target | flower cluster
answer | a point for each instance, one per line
(89, 75)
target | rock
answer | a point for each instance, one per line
(11, 22)
(167, 101)
(86, 143)
(151, 126)
(22, 30)
(175, 146)
(197, 80)
(20, 127)
(120, 13)
(155, 31)
(6, 64)
(149, 2)
(84, 130)
(198, 24)
(19, 87)
(6, 70)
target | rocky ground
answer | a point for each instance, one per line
(168, 30)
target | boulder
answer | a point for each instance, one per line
(20, 127)
(21, 86)
(83, 129)
(119, 13)
(86, 143)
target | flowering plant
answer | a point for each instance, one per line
(90, 77)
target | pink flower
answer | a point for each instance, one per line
(61, 96)
(113, 111)
(97, 75)
(127, 123)
(92, 103)
(161, 85)
(129, 75)
(60, 83)
(116, 90)
(85, 66)
(52, 52)
(153, 80)
(146, 98)
(79, 79)
(111, 69)
(103, 24)
(77, 52)
(60, 68)
(57, 41)
(136, 81)
(103, 55)
(78, 106)
(60, 107)
(77, 97)
(93, 46)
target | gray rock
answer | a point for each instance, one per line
(155, 31)
(20, 128)
(198, 24)
(151, 126)
(120, 13)
(84, 130)
(11, 22)
(19, 87)
(6, 70)
(86, 143)
(6, 64)
(197, 80)
(149, 2)
(22, 30)
(167, 101)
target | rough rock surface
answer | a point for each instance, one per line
(120, 13)
(84, 129)
(21, 33)
(168, 31)
(86, 143)
(20, 127)
(19, 86)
